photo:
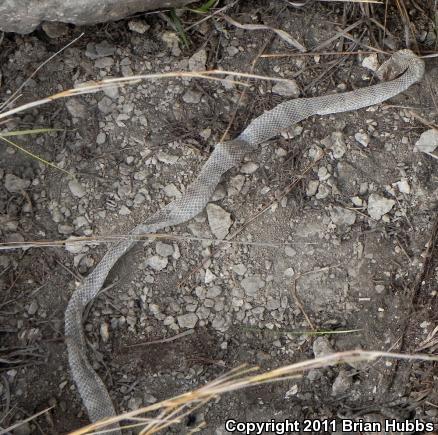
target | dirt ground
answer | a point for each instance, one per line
(315, 260)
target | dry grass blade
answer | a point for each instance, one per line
(173, 410)
(96, 240)
(97, 86)
(20, 423)
(281, 33)
(34, 156)
(15, 95)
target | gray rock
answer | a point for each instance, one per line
(104, 62)
(101, 138)
(163, 249)
(213, 292)
(289, 251)
(379, 205)
(55, 30)
(102, 49)
(76, 188)
(240, 269)
(157, 263)
(24, 16)
(252, 284)
(105, 105)
(65, 229)
(192, 97)
(187, 321)
(286, 89)
(14, 184)
(112, 92)
(32, 308)
(198, 60)
(219, 220)
(321, 347)
(342, 217)
(235, 185)
(342, 383)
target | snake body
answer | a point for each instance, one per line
(224, 157)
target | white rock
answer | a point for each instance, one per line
(249, 168)
(157, 263)
(371, 62)
(14, 184)
(187, 321)
(104, 332)
(101, 138)
(338, 144)
(198, 60)
(76, 188)
(403, 186)
(138, 26)
(379, 206)
(172, 191)
(209, 276)
(312, 187)
(75, 247)
(219, 220)
(289, 272)
(362, 138)
(124, 211)
(286, 89)
(428, 141)
(323, 191)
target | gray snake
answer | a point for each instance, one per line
(405, 63)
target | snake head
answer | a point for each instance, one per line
(398, 63)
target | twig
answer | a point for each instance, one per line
(163, 340)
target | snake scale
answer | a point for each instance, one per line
(404, 68)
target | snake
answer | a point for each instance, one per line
(399, 72)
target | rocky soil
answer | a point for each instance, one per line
(330, 227)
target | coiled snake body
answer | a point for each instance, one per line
(225, 156)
